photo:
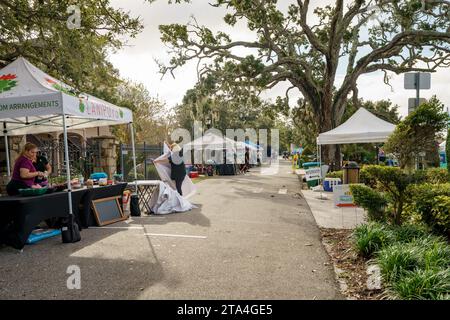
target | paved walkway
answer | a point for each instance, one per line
(329, 216)
(252, 237)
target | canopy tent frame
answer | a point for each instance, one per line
(66, 152)
(373, 130)
(31, 89)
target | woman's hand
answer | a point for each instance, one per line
(40, 174)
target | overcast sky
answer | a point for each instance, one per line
(137, 60)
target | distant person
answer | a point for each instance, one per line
(24, 173)
(177, 166)
(41, 164)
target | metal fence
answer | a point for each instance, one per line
(145, 153)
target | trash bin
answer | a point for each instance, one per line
(308, 165)
(351, 173)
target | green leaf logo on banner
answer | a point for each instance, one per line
(121, 113)
(82, 106)
(7, 82)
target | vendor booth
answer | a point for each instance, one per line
(31, 101)
(221, 150)
(361, 127)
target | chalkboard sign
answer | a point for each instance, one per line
(108, 210)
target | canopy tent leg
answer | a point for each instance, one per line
(8, 161)
(134, 152)
(66, 156)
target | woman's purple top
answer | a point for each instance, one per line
(23, 163)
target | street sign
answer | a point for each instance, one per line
(422, 80)
(412, 104)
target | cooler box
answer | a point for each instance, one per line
(329, 183)
(193, 174)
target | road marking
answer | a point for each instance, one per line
(282, 191)
(140, 228)
(174, 235)
(258, 190)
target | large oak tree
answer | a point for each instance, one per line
(351, 37)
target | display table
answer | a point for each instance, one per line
(20, 215)
(145, 189)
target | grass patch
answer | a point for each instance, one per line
(370, 238)
(409, 232)
(414, 264)
(422, 284)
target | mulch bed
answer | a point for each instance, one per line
(351, 268)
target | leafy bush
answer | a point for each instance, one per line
(395, 259)
(422, 284)
(409, 232)
(437, 175)
(394, 182)
(366, 177)
(370, 238)
(426, 253)
(432, 203)
(371, 200)
(417, 133)
(335, 174)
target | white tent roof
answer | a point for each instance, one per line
(31, 101)
(361, 127)
(210, 141)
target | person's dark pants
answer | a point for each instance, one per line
(13, 187)
(179, 183)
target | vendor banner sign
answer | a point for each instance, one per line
(313, 174)
(30, 106)
(343, 196)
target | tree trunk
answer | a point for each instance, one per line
(331, 154)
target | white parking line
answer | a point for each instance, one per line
(174, 235)
(282, 191)
(140, 228)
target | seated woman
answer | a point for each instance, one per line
(24, 173)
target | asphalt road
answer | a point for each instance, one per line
(251, 237)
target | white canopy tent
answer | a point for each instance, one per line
(31, 101)
(361, 127)
(211, 141)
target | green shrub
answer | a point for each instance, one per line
(422, 284)
(426, 253)
(394, 182)
(437, 175)
(409, 232)
(370, 238)
(366, 177)
(432, 203)
(396, 259)
(335, 174)
(436, 253)
(373, 201)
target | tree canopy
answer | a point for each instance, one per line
(418, 133)
(355, 39)
(38, 31)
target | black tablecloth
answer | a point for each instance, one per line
(20, 215)
(227, 169)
